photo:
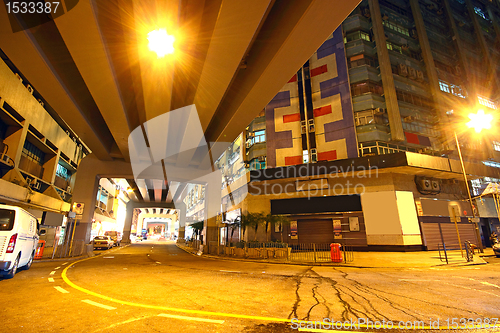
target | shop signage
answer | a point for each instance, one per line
(353, 223)
(293, 230)
(337, 229)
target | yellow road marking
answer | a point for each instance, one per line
(57, 267)
(107, 307)
(52, 273)
(192, 318)
(51, 279)
(64, 291)
(207, 313)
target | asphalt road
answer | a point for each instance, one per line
(156, 287)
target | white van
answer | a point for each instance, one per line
(18, 239)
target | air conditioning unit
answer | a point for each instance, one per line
(412, 73)
(41, 102)
(30, 88)
(402, 70)
(440, 11)
(385, 17)
(379, 111)
(413, 33)
(261, 158)
(420, 75)
(409, 119)
(69, 189)
(436, 185)
(247, 144)
(314, 155)
(35, 185)
(19, 77)
(424, 184)
(405, 47)
(311, 125)
(366, 12)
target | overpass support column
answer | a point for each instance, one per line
(181, 206)
(90, 171)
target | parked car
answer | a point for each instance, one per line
(116, 237)
(18, 231)
(101, 242)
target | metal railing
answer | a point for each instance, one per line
(314, 253)
(453, 252)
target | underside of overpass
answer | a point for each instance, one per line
(94, 70)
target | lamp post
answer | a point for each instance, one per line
(478, 121)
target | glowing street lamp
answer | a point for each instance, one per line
(480, 121)
(161, 42)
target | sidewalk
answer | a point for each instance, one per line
(420, 259)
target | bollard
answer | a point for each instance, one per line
(335, 253)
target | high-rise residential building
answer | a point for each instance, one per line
(388, 90)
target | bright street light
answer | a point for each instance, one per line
(480, 121)
(161, 42)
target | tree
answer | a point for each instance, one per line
(282, 221)
(198, 227)
(252, 220)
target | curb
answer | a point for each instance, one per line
(323, 264)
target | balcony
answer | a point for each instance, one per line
(61, 183)
(28, 165)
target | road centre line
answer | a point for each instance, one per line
(107, 257)
(107, 307)
(159, 263)
(57, 267)
(199, 312)
(65, 263)
(229, 271)
(52, 273)
(64, 291)
(215, 321)
(51, 279)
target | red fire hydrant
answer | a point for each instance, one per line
(335, 253)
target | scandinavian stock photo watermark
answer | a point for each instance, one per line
(315, 181)
(365, 323)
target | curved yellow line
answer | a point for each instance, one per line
(219, 314)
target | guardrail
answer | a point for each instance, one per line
(313, 253)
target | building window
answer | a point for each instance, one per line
(487, 102)
(452, 89)
(62, 172)
(417, 100)
(356, 36)
(255, 164)
(33, 153)
(259, 136)
(444, 86)
(360, 60)
(366, 87)
(480, 13)
(396, 27)
(305, 156)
